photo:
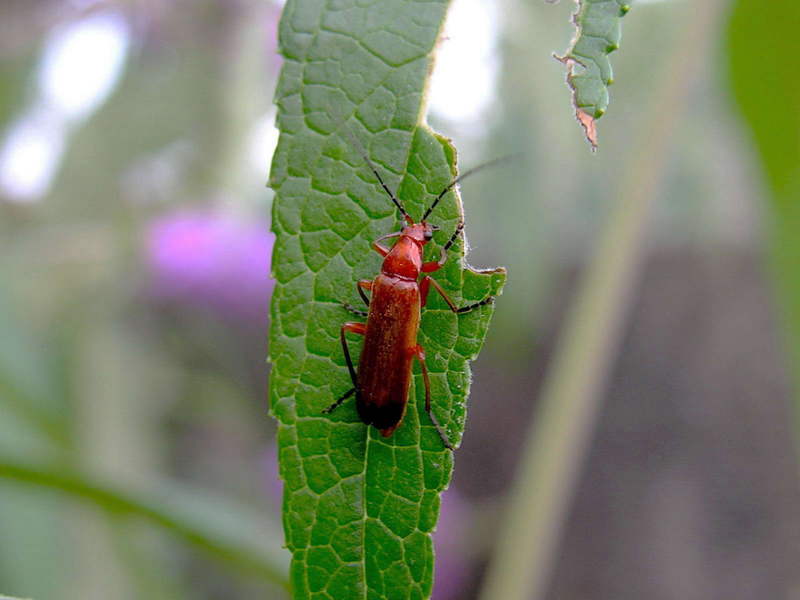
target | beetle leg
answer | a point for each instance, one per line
(360, 329)
(469, 307)
(338, 403)
(379, 248)
(364, 284)
(356, 311)
(430, 267)
(424, 287)
(419, 353)
(435, 265)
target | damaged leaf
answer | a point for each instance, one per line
(597, 34)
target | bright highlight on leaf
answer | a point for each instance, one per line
(597, 34)
(359, 509)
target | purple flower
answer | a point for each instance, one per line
(212, 261)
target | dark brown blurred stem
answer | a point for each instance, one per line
(563, 425)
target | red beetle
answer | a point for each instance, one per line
(390, 333)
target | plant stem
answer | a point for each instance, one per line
(173, 509)
(562, 428)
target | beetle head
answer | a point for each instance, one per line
(421, 233)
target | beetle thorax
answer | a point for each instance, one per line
(404, 259)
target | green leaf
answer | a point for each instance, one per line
(359, 509)
(767, 87)
(217, 527)
(597, 34)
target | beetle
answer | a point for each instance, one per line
(398, 294)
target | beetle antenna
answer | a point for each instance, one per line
(463, 176)
(354, 141)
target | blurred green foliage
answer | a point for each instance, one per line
(766, 84)
(96, 376)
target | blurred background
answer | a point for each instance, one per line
(136, 454)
